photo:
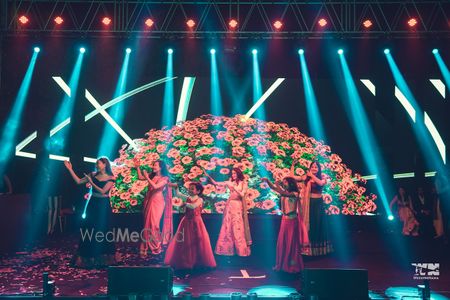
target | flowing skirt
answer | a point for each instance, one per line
(98, 219)
(288, 258)
(319, 238)
(232, 233)
(190, 246)
(410, 224)
(153, 213)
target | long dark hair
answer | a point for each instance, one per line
(292, 185)
(319, 169)
(164, 171)
(240, 175)
(108, 169)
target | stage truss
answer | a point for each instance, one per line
(255, 18)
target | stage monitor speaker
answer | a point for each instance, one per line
(137, 280)
(324, 284)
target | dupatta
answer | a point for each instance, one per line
(167, 231)
(248, 236)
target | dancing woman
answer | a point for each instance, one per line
(292, 236)
(313, 210)
(93, 252)
(405, 212)
(191, 246)
(154, 207)
(234, 236)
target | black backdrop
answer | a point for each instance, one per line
(277, 58)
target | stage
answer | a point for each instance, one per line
(370, 245)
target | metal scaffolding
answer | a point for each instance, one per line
(255, 18)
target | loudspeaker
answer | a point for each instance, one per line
(126, 280)
(335, 284)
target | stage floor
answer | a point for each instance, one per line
(21, 273)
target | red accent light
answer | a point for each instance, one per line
(23, 20)
(58, 20)
(190, 23)
(367, 23)
(233, 24)
(106, 21)
(322, 22)
(278, 25)
(412, 22)
(149, 23)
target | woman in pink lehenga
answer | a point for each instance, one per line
(405, 212)
(154, 207)
(191, 246)
(234, 236)
(293, 234)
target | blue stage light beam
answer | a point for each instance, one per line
(11, 127)
(168, 114)
(257, 87)
(366, 139)
(55, 142)
(314, 119)
(216, 98)
(429, 148)
(109, 138)
(442, 67)
(64, 114)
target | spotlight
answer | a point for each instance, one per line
(37, 49)
(301, 51)
(435, 51)
(322, 22)
(367, 23)
(340, 51)
(190, 23)
(387, 51)
(83, 216)
(82, 50)
(128, 50)
(58, 20)
(170, 51)
(24, 20)
(254, 51)
(212, 51)
(278, 24)
(412, 22)
(106, 21)
(149, 22)
(391, 218)
(233, 24)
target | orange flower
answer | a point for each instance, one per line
(252, 194)
(161, 148)
(186, 160)
(208, 189)
(177, 169)
(177, 202)
(180, 143)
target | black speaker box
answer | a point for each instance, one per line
(126, 280)
(324, 284)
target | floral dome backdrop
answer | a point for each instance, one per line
(217, 144)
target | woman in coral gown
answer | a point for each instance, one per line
(405, 212)
(191, 248)
(292, 235)
(155, 206)
(234, 236)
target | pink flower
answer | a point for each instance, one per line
(327, 199)
(224, 171)
(186, 160)
(177, 202)
(268, 204)
(220, 206)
